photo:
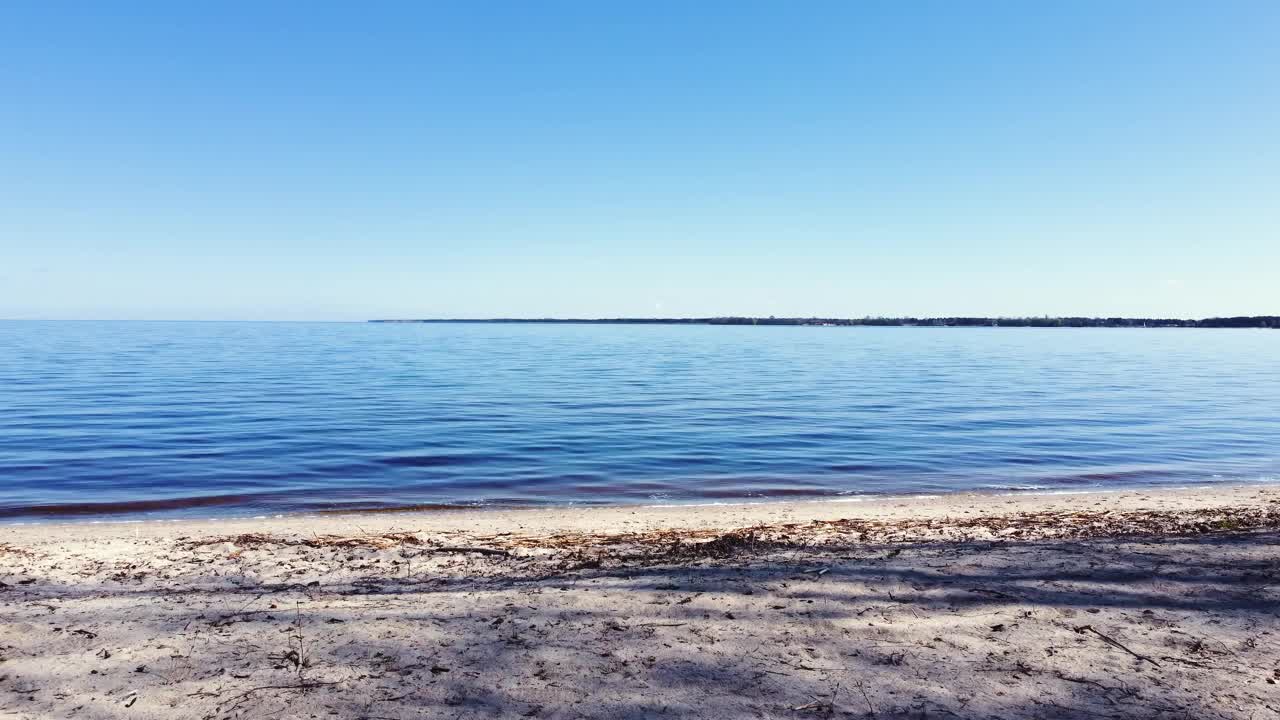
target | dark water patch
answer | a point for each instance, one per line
(441, 460)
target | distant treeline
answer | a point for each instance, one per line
(1255, 321)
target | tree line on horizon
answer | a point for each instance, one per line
(1257, 321)
(1244, 321)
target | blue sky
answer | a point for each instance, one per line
(324, 161)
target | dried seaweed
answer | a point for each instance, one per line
(383, 541)
(576, 551)
(7, 549)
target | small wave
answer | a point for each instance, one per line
(706, 504)
(1099, 491)
(125, 507)
(418, 507)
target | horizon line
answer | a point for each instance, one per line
(1268, 321)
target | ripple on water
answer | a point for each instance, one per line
(164, 420)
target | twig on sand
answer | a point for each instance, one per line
(822, 707)
(862, 688)
(244, 610)
(302, 648)
(1116, 643)
(309, 684)
(1185, 661)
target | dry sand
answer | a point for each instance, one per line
(1132, 604)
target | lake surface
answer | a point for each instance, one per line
(104, 419)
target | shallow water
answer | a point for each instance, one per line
(179, 419)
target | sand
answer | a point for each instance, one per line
(1162, 604)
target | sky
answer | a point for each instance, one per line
(344, 161)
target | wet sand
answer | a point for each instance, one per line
(1155, 603)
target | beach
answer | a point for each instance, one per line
(1132, 603)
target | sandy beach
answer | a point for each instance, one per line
(1153, 603)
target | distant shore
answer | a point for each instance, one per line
(1150, 603)
(1251, 321)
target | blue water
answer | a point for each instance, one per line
(168, 419)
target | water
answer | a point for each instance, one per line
(103, 419)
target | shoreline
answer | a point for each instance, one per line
(1161, 603)
(432, 509)
(711, 513)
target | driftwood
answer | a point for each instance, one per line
(480, 550)
(1115, 643)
